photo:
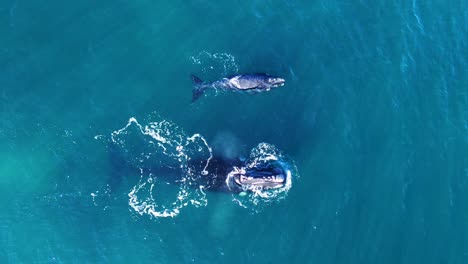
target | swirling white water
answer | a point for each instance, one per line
(255, 198)
(220, 64)
(164, 145)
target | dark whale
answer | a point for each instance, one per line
(236, 176)
(224, 175)
(245, 82)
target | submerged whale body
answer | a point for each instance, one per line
(245, 82)
(223, 174)
(160, 150)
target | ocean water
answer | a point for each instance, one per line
(373, 116)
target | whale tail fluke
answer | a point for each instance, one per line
(198, 88)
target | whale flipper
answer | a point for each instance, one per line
(196, 80)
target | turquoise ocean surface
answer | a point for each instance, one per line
(373, 118)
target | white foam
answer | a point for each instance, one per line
(218, 63)
(172, 143)
(257, 196)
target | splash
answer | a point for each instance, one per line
(163, 144)
(218, 64)
(255, 197)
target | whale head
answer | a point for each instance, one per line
(267, 176)
(275, 81)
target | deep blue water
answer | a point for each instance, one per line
(374, 116)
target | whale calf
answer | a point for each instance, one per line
(245, 82)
